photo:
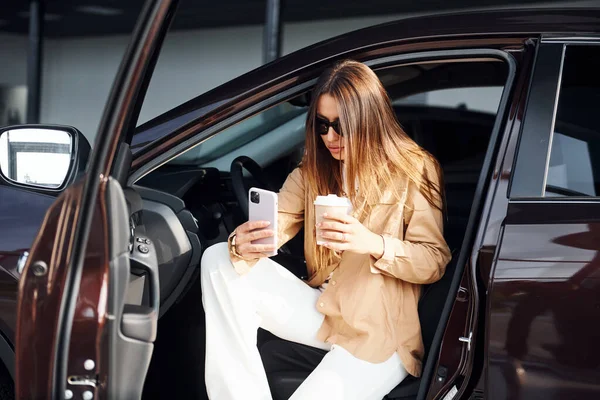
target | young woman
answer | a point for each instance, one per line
(360, 302)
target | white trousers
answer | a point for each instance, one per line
(271, 297)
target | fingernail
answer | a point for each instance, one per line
(267, 223)
(326, 215)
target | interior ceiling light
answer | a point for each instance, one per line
(47, 16)
(99, 10)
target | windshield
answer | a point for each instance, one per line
(282, 119)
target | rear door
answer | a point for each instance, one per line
(544, 291)
(75, 336)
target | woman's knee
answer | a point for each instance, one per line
(214, 258)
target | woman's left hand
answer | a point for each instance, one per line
(345, 233)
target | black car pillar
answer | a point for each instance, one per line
(272, 31)
(34, 60)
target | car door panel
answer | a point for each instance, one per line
(121, 357)
(543, 289)
(132, 327)
(544, 297)
(43, 281)
(74, 284)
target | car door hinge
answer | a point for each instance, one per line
(462, 295)
(467, 340)
(442, 373)
(82, 380)
(22, 261)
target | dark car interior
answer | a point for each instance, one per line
(185, 207)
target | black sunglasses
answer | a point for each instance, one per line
(322, 126)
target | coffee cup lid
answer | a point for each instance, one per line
(332, 200)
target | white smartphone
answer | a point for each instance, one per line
(262, 206)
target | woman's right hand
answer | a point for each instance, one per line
(248, 232)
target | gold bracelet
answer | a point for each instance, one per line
(233, 246)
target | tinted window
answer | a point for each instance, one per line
(574, 168)
(265, 131)
(482, 99)
(448, 107)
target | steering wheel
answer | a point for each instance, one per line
(237, 179)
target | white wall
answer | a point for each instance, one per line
(193, 62)
(13, 60)
(302, 34)
(77, 77)
(13, 104)
(78, 73)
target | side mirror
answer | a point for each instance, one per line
(46, 158)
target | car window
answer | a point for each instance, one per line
(449, 104)
(435, 111)
(483, 99)
(574, 165)
(282, 125)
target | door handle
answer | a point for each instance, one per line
(140, 321)
(144, 257)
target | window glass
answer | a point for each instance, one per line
(483, 99)
(574, 167)
(269, 133)
(437, 112)
(449, 108)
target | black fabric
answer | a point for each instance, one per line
(282, 355)
(292, 262)
(288, 364)
(407, 389)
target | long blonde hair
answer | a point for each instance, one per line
(378, 151)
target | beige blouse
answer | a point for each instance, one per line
(370, 305)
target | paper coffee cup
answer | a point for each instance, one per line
(330, 204)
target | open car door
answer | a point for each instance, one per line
(75, 336)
